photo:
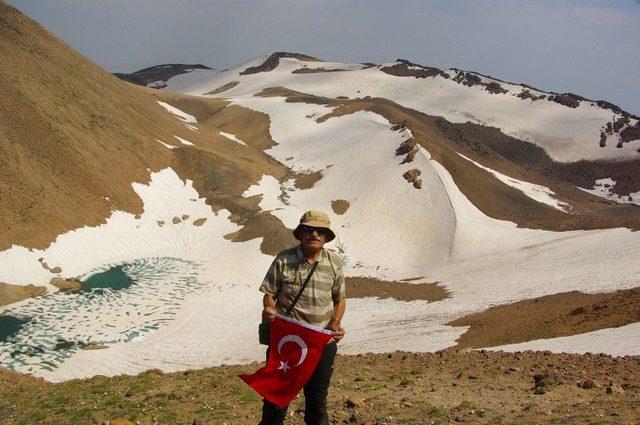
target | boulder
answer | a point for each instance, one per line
(615, 389)
(353, 401)
(412, 175)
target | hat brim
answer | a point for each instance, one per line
(330, 236)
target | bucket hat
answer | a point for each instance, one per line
(315, 219)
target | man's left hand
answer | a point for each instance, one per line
(339, 331)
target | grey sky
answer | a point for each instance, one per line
(591, 48)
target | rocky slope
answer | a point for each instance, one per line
(396, 388)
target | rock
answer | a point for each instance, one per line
(356, 418)
(615, 389)
(410, 156)
(353, 402)
(411, 175)
(586, 385)
(400, 126)
(603, 139)
(69, 284)
(545, 380)
(406, 147)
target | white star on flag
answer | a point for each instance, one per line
(284, 366)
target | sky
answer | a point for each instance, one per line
(587, 47)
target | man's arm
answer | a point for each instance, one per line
(269, 308)
(334, 323)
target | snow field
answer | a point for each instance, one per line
(622, 341)
(230, 273)
(484, 262)
(566, 134)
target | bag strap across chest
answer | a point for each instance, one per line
(304, 285)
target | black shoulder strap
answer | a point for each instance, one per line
(304, 285)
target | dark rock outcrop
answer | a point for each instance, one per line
(404, 68)
(146, 76)
(567, 99)
(273, 60)
(406, 147)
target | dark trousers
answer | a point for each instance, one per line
(315, 394)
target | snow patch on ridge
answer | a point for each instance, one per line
(270, 189)
(536, 192)
(603, 189)
(183, 141)
(165, 144)
(232, 137)
(177, 112)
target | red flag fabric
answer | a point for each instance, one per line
(295, 350)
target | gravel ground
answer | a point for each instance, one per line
(443, 387)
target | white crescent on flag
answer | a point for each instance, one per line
(296, 340)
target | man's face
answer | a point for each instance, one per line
(313, 238)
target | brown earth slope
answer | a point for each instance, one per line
(73, 138)
(563, 314)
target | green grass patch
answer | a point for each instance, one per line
(79, 414)
(436, 412)
(112, 401)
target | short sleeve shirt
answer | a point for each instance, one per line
(288, 272)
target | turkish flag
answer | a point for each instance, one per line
(294, 352)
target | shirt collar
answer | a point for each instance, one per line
(301, 258)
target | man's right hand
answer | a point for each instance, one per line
(267, 314)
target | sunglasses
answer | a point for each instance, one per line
(319, 230)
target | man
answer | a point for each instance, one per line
(321, 304)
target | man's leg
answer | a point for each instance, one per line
(316, 390)
(272, 414)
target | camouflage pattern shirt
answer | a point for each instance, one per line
(288, 272)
